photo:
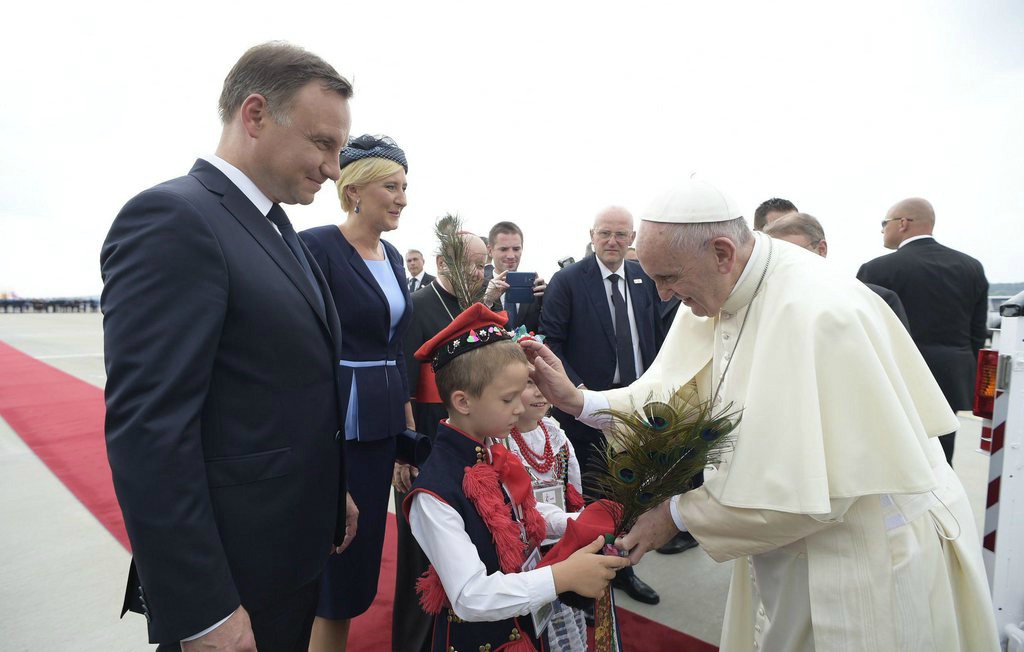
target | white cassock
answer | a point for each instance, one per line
(849, 529)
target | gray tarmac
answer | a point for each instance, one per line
(62, 574)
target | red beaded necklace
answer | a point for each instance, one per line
(538, 464)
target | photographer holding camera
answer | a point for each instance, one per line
(520, 294)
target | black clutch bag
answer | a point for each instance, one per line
(412, 447)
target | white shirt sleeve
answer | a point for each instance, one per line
(475, 596)
(592, 402)
(207, 630)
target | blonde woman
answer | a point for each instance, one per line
(369, 287)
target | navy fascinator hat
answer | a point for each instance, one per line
(367, 146)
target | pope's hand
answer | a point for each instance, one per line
(549, 375)
(652, 530)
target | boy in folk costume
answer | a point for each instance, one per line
(551, 462)
(472, 508)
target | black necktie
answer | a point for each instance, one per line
(623, 339)
(284, 225)
(412, 284)
(513, 311)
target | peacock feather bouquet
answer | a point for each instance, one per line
(655, 452)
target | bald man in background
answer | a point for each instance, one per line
(804, 230)
(945, 294)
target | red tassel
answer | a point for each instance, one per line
(432, 596)
(522, 645)
(536, 528)
(481, 485)
(573, 498)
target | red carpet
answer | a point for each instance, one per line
(61, 419)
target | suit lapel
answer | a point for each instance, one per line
(642, 310)
(359, 266)
(260, 228)
(398, 268)
(595, 289)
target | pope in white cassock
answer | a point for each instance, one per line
(849, 529)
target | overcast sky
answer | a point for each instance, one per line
(536, 112)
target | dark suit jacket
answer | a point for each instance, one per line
(424, 282)
(222, 409)
(945, 295)
(366, 323)
(577, 321)
(893, 300)
(528, 315)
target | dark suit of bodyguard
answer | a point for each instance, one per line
(945, 295)
(221, 355)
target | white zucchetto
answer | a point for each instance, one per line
(694, 201)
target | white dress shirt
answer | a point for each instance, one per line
(916, 237)
(419, 280)
(623, 281)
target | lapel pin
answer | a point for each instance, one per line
(638, 281)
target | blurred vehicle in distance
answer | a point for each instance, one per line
(994, 319)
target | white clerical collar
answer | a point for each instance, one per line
(743, 292)
(244, 183)
(916, 237)
(605, 272)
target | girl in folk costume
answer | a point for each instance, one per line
(550, 460)
(472, 508)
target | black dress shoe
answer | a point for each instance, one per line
(636, 588)
(678, 543)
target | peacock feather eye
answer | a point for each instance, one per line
(709, 434)
(644, 497)
(627, 475)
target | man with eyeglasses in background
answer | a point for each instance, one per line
(601, 319)
(805, 231)
(945, 294)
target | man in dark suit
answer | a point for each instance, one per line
(418, 277)
(601, 318)
(221, 355)
(805, 231)
(945, 294)
(505, 247)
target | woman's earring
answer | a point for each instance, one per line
(357, 208)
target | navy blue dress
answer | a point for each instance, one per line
(373, 382)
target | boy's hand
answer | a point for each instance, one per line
(586, 571)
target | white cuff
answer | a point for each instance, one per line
(592, 402)
(541, 587)
(677, 518)
(208, 629)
